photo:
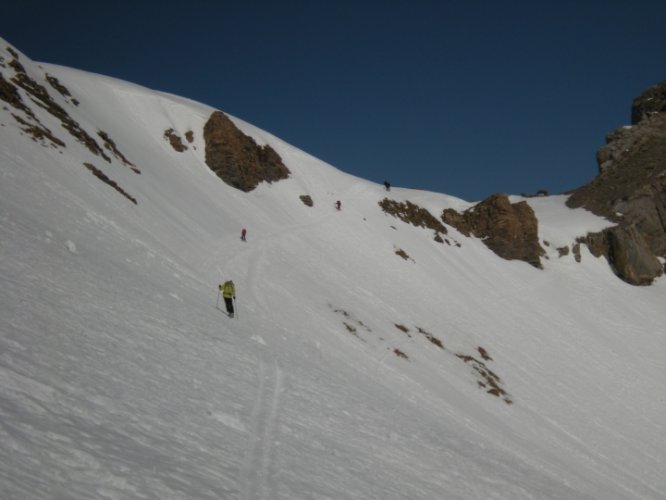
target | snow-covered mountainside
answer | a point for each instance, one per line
(367, 359)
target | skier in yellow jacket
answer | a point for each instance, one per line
(229, 293)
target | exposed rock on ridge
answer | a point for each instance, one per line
(650, 102)
(38, 95)
(236, 158)
(509, 230)
(412, 214)
(631, 191)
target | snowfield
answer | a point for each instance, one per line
(348, 373)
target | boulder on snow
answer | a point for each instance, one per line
(236, 158)
(627, 252)
(631, 257)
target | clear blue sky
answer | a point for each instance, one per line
(465, 97)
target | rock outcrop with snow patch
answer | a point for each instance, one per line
(631, 191)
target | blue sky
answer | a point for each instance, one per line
(467, 98)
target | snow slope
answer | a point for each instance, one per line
(120, 378)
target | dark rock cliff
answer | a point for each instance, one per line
(508, 229)
(631, 191)
(236, 158)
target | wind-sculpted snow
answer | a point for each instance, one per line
(120, 378)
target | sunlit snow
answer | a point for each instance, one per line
(120, 378)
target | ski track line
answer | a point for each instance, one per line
(258, 467)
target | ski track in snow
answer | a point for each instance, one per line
(258, 469)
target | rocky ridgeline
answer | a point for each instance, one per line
(630, 190)
(508, 229)
(23, 92)
(410, 213)
(40, 96)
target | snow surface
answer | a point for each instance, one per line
(120, 378)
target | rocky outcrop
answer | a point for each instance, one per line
(236, 158)
(307, 200)
(410, 213)
(105, 179)
(631, 191)
(630, 256)
(175, 140)
(626, 251)
(650, 102)
(635, 149)
(64, 91)
(508, 229)
(39, 95)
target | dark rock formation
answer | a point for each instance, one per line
(631, 257)
(39, 95)
(10, 94)
(626, 252)
(412, 214)
(236, 158)
(631, 191)
(104, 178)
(175, 140)
(43, 99)
(55, 83)
(29, 124)
(110, 145)
(509, 230)
(650, 102)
